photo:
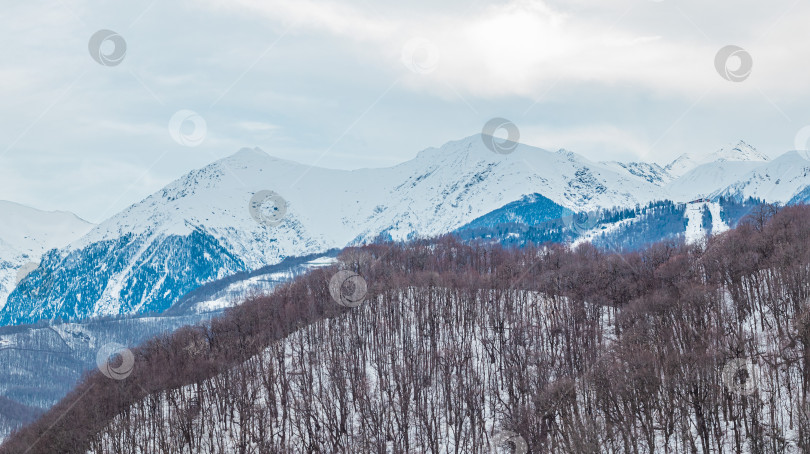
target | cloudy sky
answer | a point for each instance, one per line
(368, 83)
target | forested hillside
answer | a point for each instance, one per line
(456, 348)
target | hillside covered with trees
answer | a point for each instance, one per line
(460, 348)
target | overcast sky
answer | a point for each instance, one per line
(351, 83)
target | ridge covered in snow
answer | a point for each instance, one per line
(31, 231)
(200, 227)
(439, 189)
(26, 233)
(776, 181)
(739, 152)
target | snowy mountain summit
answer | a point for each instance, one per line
(206, 224)
(739, 152)
(200, 227)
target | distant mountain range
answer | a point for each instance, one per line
(252, 210)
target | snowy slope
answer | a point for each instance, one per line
(199, 228)
(445, 188)
(31, 231)
(26, 233)
(718, 225)
(432, 194)
(681, 165)
(708, 179)
(702, 176)
(696, 232)
(776, 181)
(650, 172)
(739, 152)
(718, 169)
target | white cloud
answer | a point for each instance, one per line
(602, 142)
(330, 16)
(614, 79)
(519, 47)
(257, 126)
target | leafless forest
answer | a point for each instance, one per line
(673, 349)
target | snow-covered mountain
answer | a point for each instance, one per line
(26, 233)
(708, 179)
(212, 222)
(200, 228)
(693, 175)
(703, 176)
(739, 152)
(777, 181)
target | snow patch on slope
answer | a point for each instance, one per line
(695, 233)
(591, 235)
(718, 225)
(694, 227)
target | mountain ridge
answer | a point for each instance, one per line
(202, 227)
(739, 152)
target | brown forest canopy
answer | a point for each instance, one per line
(569, 351)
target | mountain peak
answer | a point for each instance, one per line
(741, 151)
(250, 153)
(681, 165)
(465, 148)
(254, 158)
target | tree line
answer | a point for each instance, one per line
(674, 348)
